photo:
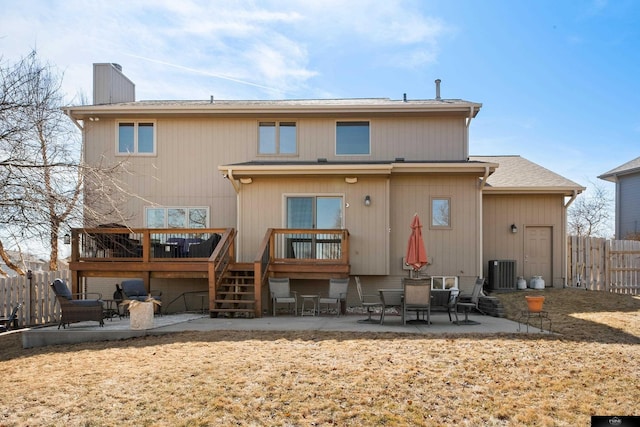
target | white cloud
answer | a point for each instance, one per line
(191, 48)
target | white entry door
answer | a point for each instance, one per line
(538, 253)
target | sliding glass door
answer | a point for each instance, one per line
(315, 212)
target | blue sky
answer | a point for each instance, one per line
(558, 80)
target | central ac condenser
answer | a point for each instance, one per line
(502, 275)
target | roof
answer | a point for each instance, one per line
(353, 168)
(294, 107)
(630, 167)
(516, 174)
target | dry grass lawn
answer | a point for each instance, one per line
(224, 378)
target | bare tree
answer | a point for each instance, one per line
(590, 214)
(39, 155)
(45, 185)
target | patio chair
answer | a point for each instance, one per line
(368, 302)
(204, 249)
(76, 310)
(280, 291)
(390, 298)
(417, 297)
(5, 322)
(337, 294)
(469, 302)
(134, 289)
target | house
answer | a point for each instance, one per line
(362, 166)
(627, 180)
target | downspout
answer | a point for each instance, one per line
(73, 119)
(479, 227)
(480, 224)
(573, 197)
(467, 124)
(483, 182)
(564, 233)
(233, 180)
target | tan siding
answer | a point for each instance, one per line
(499, 212)
(184, 172)
(411, 138)
(418, 139)
(263, 205)
(451, 251)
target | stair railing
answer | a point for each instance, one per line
(222, 257)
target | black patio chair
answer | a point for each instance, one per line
(6, 322)
(76, 310)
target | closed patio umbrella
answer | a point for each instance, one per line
(416, 256)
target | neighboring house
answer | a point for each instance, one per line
(25, 261)
(364, 165)
(627, 180)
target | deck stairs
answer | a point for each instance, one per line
(235, 296)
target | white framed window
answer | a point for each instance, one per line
(176, 217)
(277, 138)
(353, 138)
(135, 137)
(440, 212)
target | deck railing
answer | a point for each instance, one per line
(300, 252)
(310, 245)
(132, 244)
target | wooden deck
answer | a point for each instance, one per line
(183, 254)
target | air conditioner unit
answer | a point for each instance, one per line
(502, 275)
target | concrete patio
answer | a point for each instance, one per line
(119, 329)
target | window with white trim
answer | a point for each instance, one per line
(177, 217)
(353, 138)
(440, 212)
(277, 138)
(136, 138)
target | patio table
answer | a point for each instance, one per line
(313, 299)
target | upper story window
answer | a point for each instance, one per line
(177, 217)
(277, 138)
(440, 212)
(352, 138)
(136, 137)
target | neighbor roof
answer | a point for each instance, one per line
(630, 167)
(516, 174)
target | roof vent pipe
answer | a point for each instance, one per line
(404, 97)
(438, 89)
(211, 102)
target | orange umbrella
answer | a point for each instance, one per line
(416, 253)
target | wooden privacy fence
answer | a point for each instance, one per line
(604, 265)
(39, 306)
